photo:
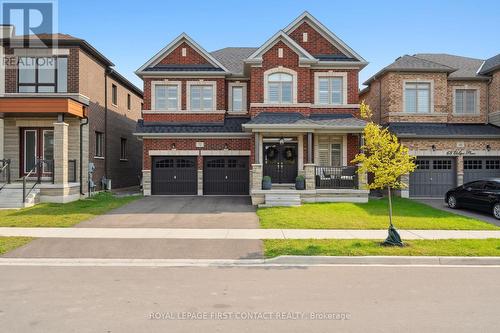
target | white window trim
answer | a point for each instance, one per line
(280, 69)
(318, 75)
(168, 83)
(478, 99)
(197, 83)
(231, 85)
(431, 82)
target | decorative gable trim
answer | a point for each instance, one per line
(304, 56)
(172, 46)
(325, 32)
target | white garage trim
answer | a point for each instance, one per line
(174, 153)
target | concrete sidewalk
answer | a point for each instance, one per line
(231, 234)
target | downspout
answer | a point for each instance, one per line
(86, 119)
(488, 100)
(106, 72)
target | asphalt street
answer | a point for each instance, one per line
(249, 299)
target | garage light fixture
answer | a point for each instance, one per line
(488, 147)
(226, 146)
(173, 146)
(433, 147)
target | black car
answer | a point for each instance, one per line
(480, 194)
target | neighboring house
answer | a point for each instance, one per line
(62, 107)
(445, 108)
(216, 123)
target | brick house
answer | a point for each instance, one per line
(445, 108)
(61, 107)
(215, 123)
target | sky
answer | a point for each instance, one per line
(131, 32)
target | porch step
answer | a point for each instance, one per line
(281, 199)
(12, 197)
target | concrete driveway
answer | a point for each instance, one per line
(160, 212)
(440, 204)
(212, 212)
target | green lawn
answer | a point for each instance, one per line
(10, 243)
(361, 247)
(62, 215)
(408, 214)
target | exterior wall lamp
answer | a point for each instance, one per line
(173, 146)
(488, 147)
(433, 147)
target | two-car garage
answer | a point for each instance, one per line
(178, 175)
(434, 176)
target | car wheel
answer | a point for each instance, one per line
(452, 202)
(496, 211)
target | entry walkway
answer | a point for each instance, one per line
(232, 234)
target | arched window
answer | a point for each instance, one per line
(280, 88)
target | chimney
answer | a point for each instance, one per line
(7, 30)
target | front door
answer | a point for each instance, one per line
(36, 144)
(280, 162)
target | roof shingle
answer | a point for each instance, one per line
(436, 130)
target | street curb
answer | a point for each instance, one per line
(383, 260)
(284, 261)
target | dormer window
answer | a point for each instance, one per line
(280, 88)
(43, 75)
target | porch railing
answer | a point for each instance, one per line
(4, 173)
(72, 171)
(41, 166)
(344, 177)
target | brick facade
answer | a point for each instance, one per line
(190, 144)
(316, 43)
(275, 57)
(86, 76)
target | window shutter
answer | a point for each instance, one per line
(323, 154)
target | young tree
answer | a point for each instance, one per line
(387, 160)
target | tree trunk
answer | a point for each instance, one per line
(390, 205)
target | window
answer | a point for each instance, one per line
(330, 91)
(492, 186)
(114, 94)
(475, 185)
(418, 97)
(465, 101)
(99, 144)
(280, 87)
(473, 164)
(336, 154)
(166, 97)
(128, 102)
(43, 74)
(237, 98)
(330, 151)
(201, 97)
(123, 149)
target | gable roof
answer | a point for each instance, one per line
(408, 63)
(490, 65)
(232, 57)
(325, 32)
(281, 36)
(466, 68)
(171, 46)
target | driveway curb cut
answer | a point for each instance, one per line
(278, 261)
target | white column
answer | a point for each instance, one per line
(61, 153)
(300, 155)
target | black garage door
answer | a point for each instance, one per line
(476, 168)
(174, 175)
(433, 177)
(225, 175)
